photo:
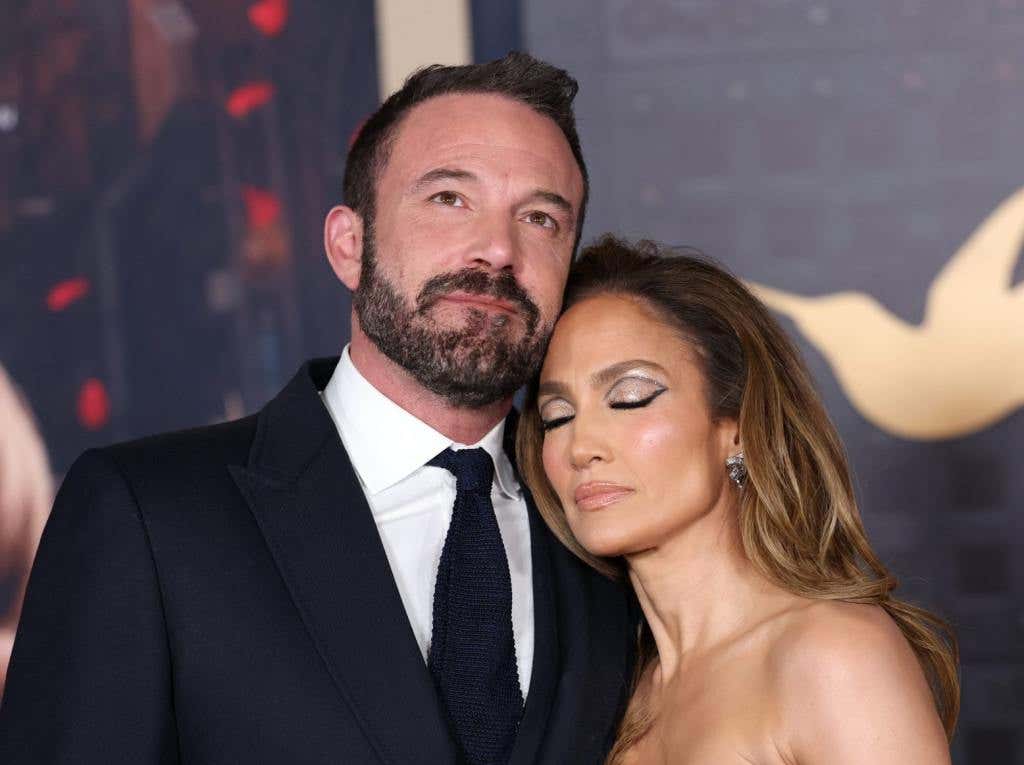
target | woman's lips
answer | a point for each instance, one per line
(598, 494)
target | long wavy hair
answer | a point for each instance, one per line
(798, 517)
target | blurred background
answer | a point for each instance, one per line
(165, 166)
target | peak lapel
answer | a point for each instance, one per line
(308, 503)
(544, 674)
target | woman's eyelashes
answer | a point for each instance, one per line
(634, 394)
(555, 422)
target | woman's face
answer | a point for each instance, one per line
(629, 444)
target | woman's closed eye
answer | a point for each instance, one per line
(555, 422)
(634, 393)
(555, 413)
(630, 393)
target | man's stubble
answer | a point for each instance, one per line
(472, 366)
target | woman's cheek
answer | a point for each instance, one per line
(553, 464)
(654, 446)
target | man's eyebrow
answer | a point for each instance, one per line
(551, 197)
(601, 377)
(441, 174)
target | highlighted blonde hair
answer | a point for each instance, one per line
(798, 517)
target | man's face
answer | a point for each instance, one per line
(465, 260)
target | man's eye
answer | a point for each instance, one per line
(539, 218)
(449, 198)
(557, 422)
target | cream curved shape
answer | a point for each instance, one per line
(960, 370)
(412, 34)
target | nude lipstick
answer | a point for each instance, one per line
(597, 494)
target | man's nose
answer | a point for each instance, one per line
(496, 247)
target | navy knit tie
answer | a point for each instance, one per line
(472, 654)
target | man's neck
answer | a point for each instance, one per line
(462, 425)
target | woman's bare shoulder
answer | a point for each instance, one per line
(848, 684)
(830, 638)
(817, 629)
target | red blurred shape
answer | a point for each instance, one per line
(93, 404)
(269, 16)
(262, 208)
(245, 98)
(355, 132)
(65, 293)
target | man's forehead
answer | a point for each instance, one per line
(472, 104)
(483, 126)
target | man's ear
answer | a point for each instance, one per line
(343, 243)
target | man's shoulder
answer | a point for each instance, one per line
(226, 442)
(165, 466)
(290, 413)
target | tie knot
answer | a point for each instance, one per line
(473, 468)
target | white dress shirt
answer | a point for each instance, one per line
(412, 502)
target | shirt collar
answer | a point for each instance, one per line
(386, 444)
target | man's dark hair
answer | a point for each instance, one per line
(546, 89)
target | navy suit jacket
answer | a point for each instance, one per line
(222, 595)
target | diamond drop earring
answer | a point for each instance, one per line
(737, 468)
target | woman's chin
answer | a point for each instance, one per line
(608, 542)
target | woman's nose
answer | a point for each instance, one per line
(588, 445)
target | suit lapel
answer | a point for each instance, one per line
(308, 503)
(544, 675)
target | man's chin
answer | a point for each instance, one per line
(472, 397)
(467, 362)
(471, 375)
(469, 336)
(451, 314)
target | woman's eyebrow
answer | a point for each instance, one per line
(551, 388)
(608, 374)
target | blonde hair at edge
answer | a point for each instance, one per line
(797, 513)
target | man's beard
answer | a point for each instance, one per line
(471, 366)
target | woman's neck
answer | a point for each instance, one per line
(698, 589)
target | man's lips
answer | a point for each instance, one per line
(597, 494)
(481, 301)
